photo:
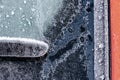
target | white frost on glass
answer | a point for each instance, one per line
(46, 10)
(27, 18)
(25, 21)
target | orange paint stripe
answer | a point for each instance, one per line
(115, 38)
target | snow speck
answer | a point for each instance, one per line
(28, 21)
(31, 17)
(101, 46)
(99, 17)
(23, 30)
(7, 16)
(20, 8)
(2, 6)
(23, 16)
(12, 12)
(102, 77)
(100, 60)
(25, 1)
(6, 26)
(33, 9)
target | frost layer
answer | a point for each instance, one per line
(27, 18)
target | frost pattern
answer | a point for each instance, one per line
(27, 18)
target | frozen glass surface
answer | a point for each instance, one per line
(17, 19)
(26, 18)
(22, 26)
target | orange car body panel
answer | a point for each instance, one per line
(115, 38)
